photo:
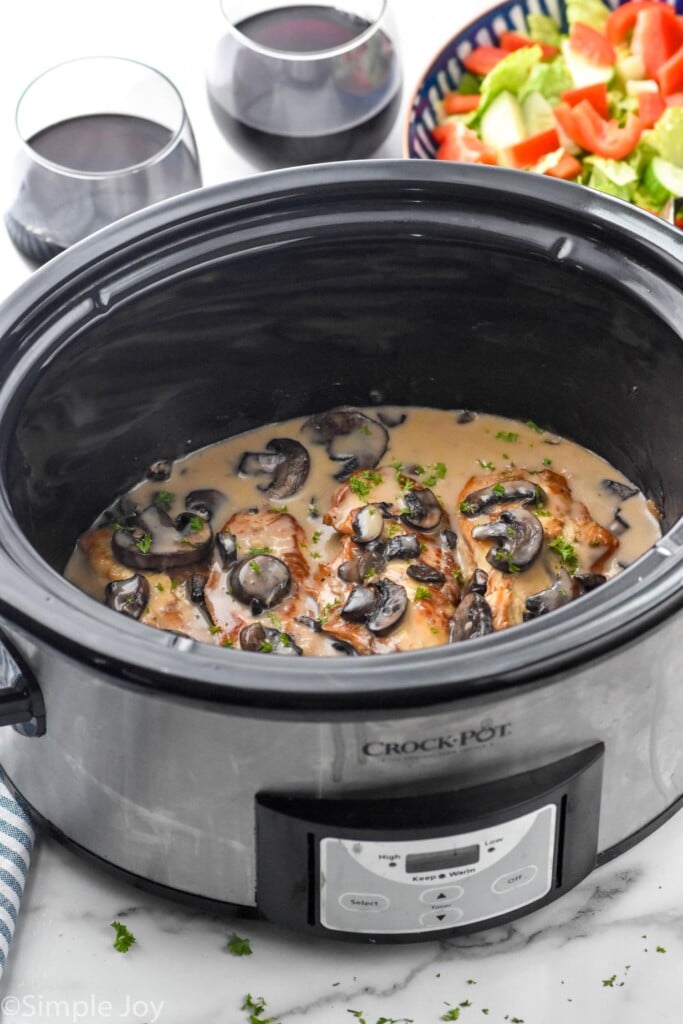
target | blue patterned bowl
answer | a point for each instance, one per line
(446, 70)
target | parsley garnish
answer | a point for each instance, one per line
(467, 508)
(507, 435)
(255, 567)
(124, 938)
(238, 946)
(436, 472)
(163, 500)
(365, 430)
(279, 508)
(196, 523)
(174, 583)
(160, 587)
(362, 483)
(227, 643)
(144, 544)
(547, 462)
(567, 553)
(535, 426)
(422, 594)
(266, 647)
(486, 464)
(458, 574)
(213, 629)
(393, 529)
(274, 619)
(316, 536)
(498, 490)
(372, 571)
(265, 550)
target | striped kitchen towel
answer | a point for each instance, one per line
(17, 836)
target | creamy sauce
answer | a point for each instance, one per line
(468, 454)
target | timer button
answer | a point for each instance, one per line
(444, 918)
(446, 895)
(515, 879)
(367, 902)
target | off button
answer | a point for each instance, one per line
(365, 902)
(515, 879)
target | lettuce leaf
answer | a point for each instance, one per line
(615, 177)
(543, 29)
(509, 75)
(590, 12)
(667, 135)
(550, 79)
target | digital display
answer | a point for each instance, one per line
(439, 860)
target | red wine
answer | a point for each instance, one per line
(281, 111)
(53, 210)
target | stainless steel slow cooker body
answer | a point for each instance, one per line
(291, 787)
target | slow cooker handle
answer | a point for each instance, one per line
(21, 702)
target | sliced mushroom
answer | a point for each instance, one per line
(478, 582)
(390, 607)
(226, 545)
(559, 593)
(587, 581)
(466, 416)
(622, 491)
(196, 585)
(472, 618)
(285, 461)
(620, 525)
(350, 437)
(128, 596)
(426, 573)
(369, 562)
(262, 581)
(158, 542)
(309, 622)
(520, 535)
(502, 494)
(204, 502)
(424, 511)
(160, 470)
(368, 524)
(449, 539)
(267, 640)
(341, 646)
(404, 545)
(360, 604)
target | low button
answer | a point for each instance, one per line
(515, 879)
(444, 918)
(445, 895)
(367, 902)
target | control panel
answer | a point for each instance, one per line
(403, 868)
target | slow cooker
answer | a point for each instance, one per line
(396, 797)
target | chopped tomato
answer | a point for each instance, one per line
(567, 167)
(458, 142)
(622, 20)
(651, 106)
(595, 134)
(595, 94)
(656, 36)
(529, 151)
(592, 45)
(484, 59)
(460, 103)
(511, 41)
(670, 74)
(674, 99)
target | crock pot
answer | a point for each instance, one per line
(394, 797)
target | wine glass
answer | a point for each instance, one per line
(303, 82)
(100, 137)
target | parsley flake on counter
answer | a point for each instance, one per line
(258, 1005)
(452, 1014)
(507, 435)
(471, 981)
(124, 938)
(609, 982)
(660, 949)
(466, 1002)
(316, 536)
(238, 946)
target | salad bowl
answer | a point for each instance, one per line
(449, 91)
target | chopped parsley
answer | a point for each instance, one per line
(197, 523)
(226, 643)
(372, 571)
(547, 462)
(609, 982)
(486, 464)
(213, 629)
(175, 583)
(124, 938)
(422, 594)
(160, 587)
(279, 508)
(465, 1002)
(144, 545)
(365, 430)
(434, 474)
(507, 435)
(467, 508)
(660, 949)
(315, 554)
(567, 553)
(257, 1005)
(266, 647)
(163, 500)
(535, 426)
(274, 619)
(393, 529)
(265, 550)
(460, 578)
(498, 490)
(255, 567)
(238, 946)
(316, 536)
(452, 1014)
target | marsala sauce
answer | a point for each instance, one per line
(426, 437)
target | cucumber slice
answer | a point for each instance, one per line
(537, 114)
(663, 179)
(502, 124)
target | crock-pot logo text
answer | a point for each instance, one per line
(486, 733)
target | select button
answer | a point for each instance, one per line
(365, 902)
(445, 895)
(515, 879)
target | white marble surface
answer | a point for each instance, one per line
(548, 968)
